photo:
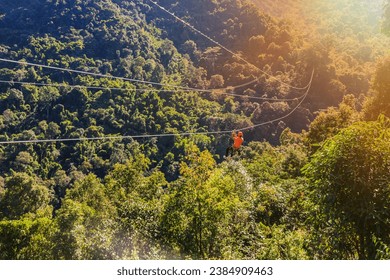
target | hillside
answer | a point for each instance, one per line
(115, 116)
(281, 8)
(348, 33)
(344, 51)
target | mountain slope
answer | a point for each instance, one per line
(99, 37)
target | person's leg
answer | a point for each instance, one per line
(227, 151)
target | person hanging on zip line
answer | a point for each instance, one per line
(235, 144)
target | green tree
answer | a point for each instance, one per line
(278, 203)
(379, 103)
(200, 208)
(86, 222)
(24, 194)
(331, 121)
(184, 217)
(138, 194)
(217, 81)
(27, 239)
(350, 178)
(24, 162)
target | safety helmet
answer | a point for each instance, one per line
(239, 134)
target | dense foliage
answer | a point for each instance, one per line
(320, 193)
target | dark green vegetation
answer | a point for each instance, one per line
(323, 193)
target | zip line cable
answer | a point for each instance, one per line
(178, 88)
(287, 115)
(111, 76)
(225, 48)
(122, 78)
(92, 74)
(155, 83)
(144, 90)
(122, 137)
(168, 85)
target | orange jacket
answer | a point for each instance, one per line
(237, 142)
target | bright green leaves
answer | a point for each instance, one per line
(257, 207)
(350, 178)
(85, 222)
(24, 195)
(32, 239)
(26, 228)
(331, 121)
(138, 196)
(200, 208)
(117, 219)
(283, 244)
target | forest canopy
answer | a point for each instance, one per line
(311, 180)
